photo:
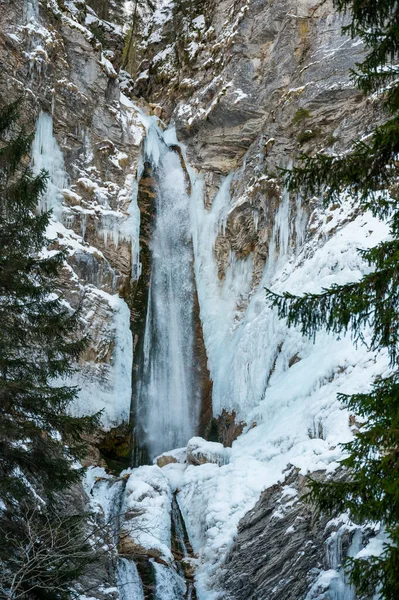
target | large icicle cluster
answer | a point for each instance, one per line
(105, 383)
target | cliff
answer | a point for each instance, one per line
(242, 87)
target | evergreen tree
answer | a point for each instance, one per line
(369, 173)
(39, 344)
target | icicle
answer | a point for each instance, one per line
(83, 224)
(300, 224)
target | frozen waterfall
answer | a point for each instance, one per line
(46, 154)
(129, 583)
(31, 10)
(167, 404)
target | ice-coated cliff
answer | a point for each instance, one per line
(165, 191)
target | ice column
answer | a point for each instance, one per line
(46, 154)
(31, 10)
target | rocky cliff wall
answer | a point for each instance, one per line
(249, 84)
(52, 60)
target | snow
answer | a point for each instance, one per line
(375, 546)
(240, 95)
(146, 509)
(107, 66)
(179, 454)
(200, 451)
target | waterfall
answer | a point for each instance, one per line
(129, 582)
(169, 585)
(167, 404)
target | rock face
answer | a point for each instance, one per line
(280, 549)
(260, 81)
(73, 102)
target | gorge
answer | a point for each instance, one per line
(166, 194)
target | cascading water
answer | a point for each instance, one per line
(167, 404)
(129, 582)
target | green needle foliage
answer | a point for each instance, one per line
(39, 343)
(368, 173)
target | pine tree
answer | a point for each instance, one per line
(369, 173)
(39, 344)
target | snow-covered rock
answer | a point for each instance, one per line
(199, 452)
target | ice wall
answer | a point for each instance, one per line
(167, 399)
(106, 386)
(281, 384)
(241, 348)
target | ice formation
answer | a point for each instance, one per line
(168, 584)
(103, 386)
(129, 582)
(293, 403)
(290, 406)
(31, 10)
(107, 387)
(47, 155)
